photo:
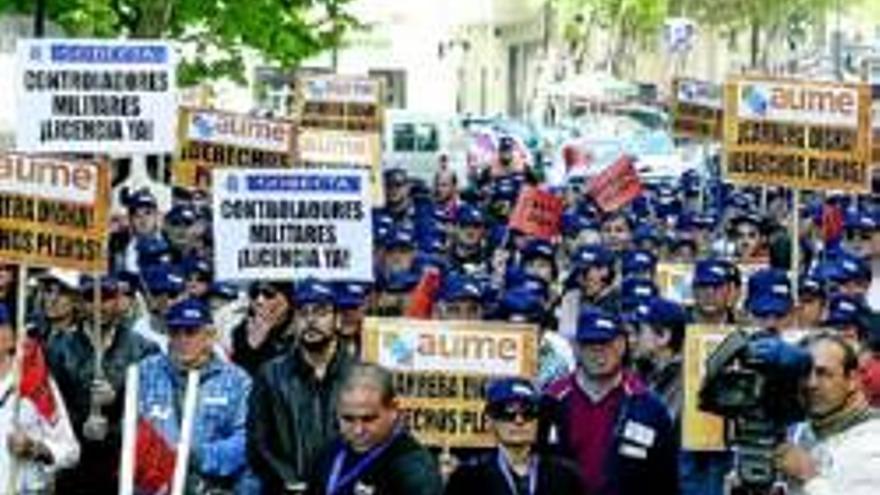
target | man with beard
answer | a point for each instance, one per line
(291, 415)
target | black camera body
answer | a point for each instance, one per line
(753, 381)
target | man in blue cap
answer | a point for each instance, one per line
(400, 251)
(851, 273)
(619, 432)
(617, 232)
(847, 316)
(515, 467)
(163, 285)
(539, 259)
(860, 227)
(751, 238)
(177, 227)
(811, 302)
(94, 396)
(292, 412)
(711, 292)
(398, 202)
(217, 460)
(638, 263)
(143, 221)
(769, 299)
(394, 293)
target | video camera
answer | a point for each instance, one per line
(753, 381)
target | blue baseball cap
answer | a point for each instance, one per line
(224, 290)
(458, 287)
(860, 221)
(711, 272)
(109, 283)
(181, 215)
(523, 302)
(142, 198)
(395, 175)
(400, 282)
(597, 327)
(313, 291)
(635, 290)
(638, 261)
(661, 312)
(849, 267)
(844, 310)
(505, 189)
(189, 313)
(539, 248)
(399, 238)
(162, 278)
(503, 391)
(592, 255)
(350, 295)
(811, 285)
(193, 265)
(151, 250)
(470, 215)
(769, 293)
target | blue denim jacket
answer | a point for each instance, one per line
(218, 446)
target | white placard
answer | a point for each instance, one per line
(341, 89)
(291, 224)
(95, 96)
(241, 131)
(799, 103)
(700, 93)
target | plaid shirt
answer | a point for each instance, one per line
(218, 448)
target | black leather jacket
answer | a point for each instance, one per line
(291, 418)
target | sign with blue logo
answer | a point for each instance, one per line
(799, 134)
(95, 96)
(291, 224)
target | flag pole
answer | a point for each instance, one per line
(129, 431)
(186, 433)
(18, 364)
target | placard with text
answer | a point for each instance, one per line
(95, 96)
(697, 109)
(804, 135)
(54, 212)
(441, 369)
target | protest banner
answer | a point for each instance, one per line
(54, 212)
(875, 125)
(441, 369)
(615, 186)
(700, 431)
(537, 213)
(290, 224)
(211, 138)
(804, 135)
(697, 109)
(95, 96)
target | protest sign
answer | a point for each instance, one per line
(875, 126)
(95, 96)
(210, 138)
(54, 212)
(441, 369)
(697, 109)
(700, 431)
(537, 213)
(804, 135)
(290, 224)
(344, 103)
(615, 186)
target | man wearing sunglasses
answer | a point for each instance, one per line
(515, 467)
(267, 331)
(217, 464)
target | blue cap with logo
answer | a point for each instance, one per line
(635, 290)
(151, 250)
(400, 238)
(661, 312)
(189, 313)
(844, 310)
(597, 327)
(470, 215)
(522, 303)
(503, 391)
(769, 293)
(313, 291)
(141, 198)
(350, 295)
(400, 282)
(457, 287)
(711, 272)
(638, 261)
(162, 278)
(850, 267)
(183, 215)
(539, 248)
(592, 255)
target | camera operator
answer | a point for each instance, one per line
(837, 450)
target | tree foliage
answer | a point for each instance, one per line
(283, 32)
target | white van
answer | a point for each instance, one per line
(414, 141)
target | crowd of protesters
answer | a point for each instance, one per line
(285, 406)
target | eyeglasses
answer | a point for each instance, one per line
(858, 236)
(509, 412)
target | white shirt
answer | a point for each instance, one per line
(848, 462)
(873, 294)
(58, 438)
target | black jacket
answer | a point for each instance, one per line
(291, 418)
(405, 468)
(483, 476)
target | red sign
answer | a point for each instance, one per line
(154, 460)
(421, 302)
(537, 213)
(616, 186)
(35, 381)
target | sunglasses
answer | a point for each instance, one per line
(265, 292)
(858, 236)
(509, 412)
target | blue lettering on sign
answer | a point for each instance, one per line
(103, 54)
(304, 183)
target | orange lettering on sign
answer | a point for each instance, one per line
(814, 100)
